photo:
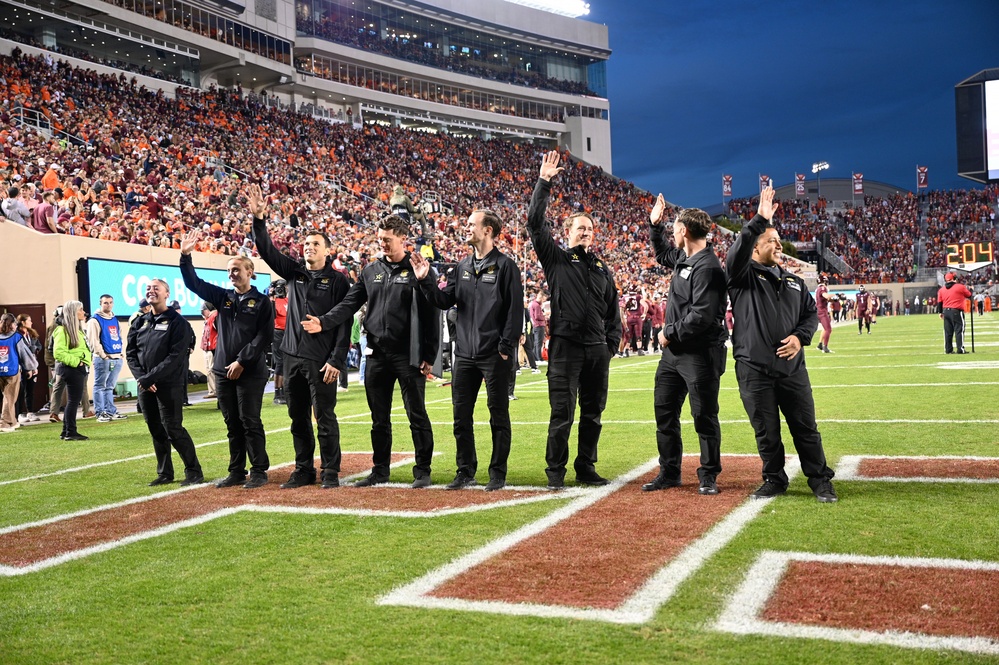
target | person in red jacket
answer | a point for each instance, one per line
(950, 303)
(209, 340)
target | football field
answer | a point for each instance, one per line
(96, 567)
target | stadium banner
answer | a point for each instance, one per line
(726, 186)
(126, 282)
(764, 181)
(799, 184)
(922, 177)
(858, 183)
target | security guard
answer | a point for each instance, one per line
(775, 317)
(245, 324)
(403, 337)
(312, 363)
(487, 289)
(157, 351)
(693, 341)
(585, 330)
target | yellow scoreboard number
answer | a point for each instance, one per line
(969, 252)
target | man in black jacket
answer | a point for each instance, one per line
(157, 351)
(487, 289)
(245, 324)
(312, 363)
(693, 340)
(403, 335)
(585, 330)
(775, 316)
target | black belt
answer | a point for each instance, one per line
(953, 309)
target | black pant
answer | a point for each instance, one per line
(164, 414)
(655, 337)
(532, 356)
(26, 396)
(74, 378)
(763, 396)
(307, 393)
(646, 334)
(678, 375)
(575, 369)
(953, 327)
(539, 341)
(380, 376)
(240, 402)
(467, 377)
(187, 375)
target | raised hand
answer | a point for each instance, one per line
(255, 201)
(658, 209)
(421, 267)
(549, 165)
(767, 206)
(189, 241)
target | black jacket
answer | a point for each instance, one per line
(308, 296)
(695, 311)
(245, 324)
(765, 308)
(584, 297)
(398, 318)
(490, 305)
(158, 348)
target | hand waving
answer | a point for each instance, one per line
(421, 268)
(658, 209)
(255, 201)
(549, 165)
(767, 206)
(189, 241)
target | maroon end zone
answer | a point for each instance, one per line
(943, 468)
(35, 544)
(601, 556)
(932, 601)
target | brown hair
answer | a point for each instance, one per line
(8, 323)
(567, 224)
(697, 221)
(492, 220)
(394, 224)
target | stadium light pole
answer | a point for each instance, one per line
(817, 168)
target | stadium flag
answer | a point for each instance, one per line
(858, 183)
(922, 177)
(726, 186)
(799, 184)
(764, 181)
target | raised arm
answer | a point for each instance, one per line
(281, 264)
(537, 224)
(665, 255)
(208, 292)
(741, 252)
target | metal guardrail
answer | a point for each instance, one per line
(38, 121)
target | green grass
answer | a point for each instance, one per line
(279, 588)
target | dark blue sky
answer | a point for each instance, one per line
(699, 88)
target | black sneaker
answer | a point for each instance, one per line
(371, 481)
(192, 480)
(495, 484)
(232, 480)
(299, 479)
(160, 480)
(75, 437)
(421, 482)
(824, 492)
(661, 482)
(461, 481)
(708, 486)
(819, 347)
(768, 489)
(595, 480)
(556, 483)
(256, 480)
(330, 481)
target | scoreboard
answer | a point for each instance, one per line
(970, 255)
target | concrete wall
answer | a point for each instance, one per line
(598, 151)
(39, 268)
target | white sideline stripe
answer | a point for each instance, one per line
(849, 467)
(95, 465)
(639, 608)
(158, 495)
(741, 613)
(838, 386)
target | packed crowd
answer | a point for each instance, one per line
(472, 63)
(139, 168)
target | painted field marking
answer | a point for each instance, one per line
(28, 548)
(744, 610)
(639, 607)
(941, 468)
